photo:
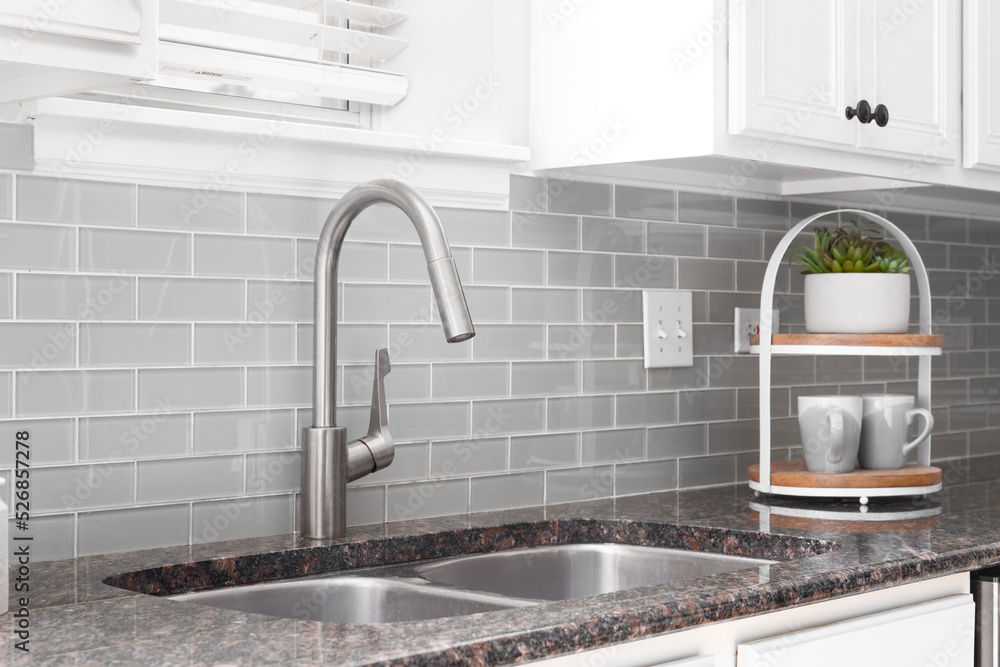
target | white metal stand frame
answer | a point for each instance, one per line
(766, 350)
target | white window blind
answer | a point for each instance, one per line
(321, 53)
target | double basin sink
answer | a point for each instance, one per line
(470, 584)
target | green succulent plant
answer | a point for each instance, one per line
(849, 249)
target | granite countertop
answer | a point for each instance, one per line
(76, 619)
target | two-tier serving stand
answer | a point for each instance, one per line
(791, 478)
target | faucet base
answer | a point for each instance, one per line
(324, 482)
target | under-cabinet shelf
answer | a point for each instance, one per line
(885, 345)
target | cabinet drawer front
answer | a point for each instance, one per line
(936, 632)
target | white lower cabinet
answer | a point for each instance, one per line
(924, 623)
(939, 632)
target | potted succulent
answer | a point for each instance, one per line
(856, 282)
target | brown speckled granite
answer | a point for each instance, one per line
(78, 620)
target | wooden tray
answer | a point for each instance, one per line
(795, 474)
(861, 340)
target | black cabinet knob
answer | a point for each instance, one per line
(881, 115)
(863, 111)
(865, 115)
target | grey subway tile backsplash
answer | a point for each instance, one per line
(134, 251)
(82, 487)
(38, 247)
(675, 239)
(6, 198)
(579, 197)
(544, 305)
(69, 297)
(166, 336)
(735, 244)
(613, 446)
(581, 269)
(945, 228)
(469, 380)
(645, 203)
(506, 492)
(131, 529)
(71, 201)
(613, 235)
(285, 215)
(190, 388)
(501, 266)
(135, 344)
(762, 214)
(219, 520)
(645, 271)
(238, 256)
(149, 436)
(706, 274)
(541, 230)
(468, 457)
(645, 477)
(573, 485)
(62, 393)
(37, 345)
(58, 444)
(552, 450)
(580, 412)
(190, 299)
(6, 296)
(190, 209)
(244, 430)
(544, 378)
(422, 500)
(189, 479)
(706, 209)
(509, 342)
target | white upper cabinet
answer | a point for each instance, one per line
(796, 67)
(53, 47)
(981, 97)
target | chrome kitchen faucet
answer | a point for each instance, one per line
(329, 462)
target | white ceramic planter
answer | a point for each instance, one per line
(857, 302)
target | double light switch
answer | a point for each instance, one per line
(667, 329)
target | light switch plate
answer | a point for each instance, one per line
(667, 332)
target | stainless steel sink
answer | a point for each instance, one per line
(469, 584)
(351, 600)
(567, 571)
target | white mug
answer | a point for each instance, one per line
(885, 428)
(830, 427)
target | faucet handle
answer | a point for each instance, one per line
(379, 440)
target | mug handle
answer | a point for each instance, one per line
(835, 421)
(928, 426)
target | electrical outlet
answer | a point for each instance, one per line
(747, 323)
(667, 332)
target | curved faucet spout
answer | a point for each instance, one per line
(328, 460)
(448, 293)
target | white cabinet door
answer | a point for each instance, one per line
(788, 64)
(108, 20)
(981, 93)
(939, 632)
(910, 61)
(56, 47)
